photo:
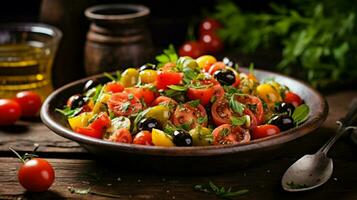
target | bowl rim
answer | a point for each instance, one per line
(309, 126)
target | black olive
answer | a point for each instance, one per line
(147, 66)
(90, 84)
(77, 101)
(228, 62)
(285, 108)
(182, 138)
(148, 124)
(284, 122)
(225, 76)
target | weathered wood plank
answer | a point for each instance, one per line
(262, 181)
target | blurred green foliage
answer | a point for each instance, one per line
(318, 39)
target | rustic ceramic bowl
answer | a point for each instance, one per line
(188, 159)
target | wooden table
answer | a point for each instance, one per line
(75, 167)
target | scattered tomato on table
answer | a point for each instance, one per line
(35, 174)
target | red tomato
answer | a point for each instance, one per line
(90, 132)
(253, 119)
(187, 115)
(36, 175)
(218, 91)
(236, 84)
(142, 93)
(254, 104)
(211, 43)
(143, 138)
(166, 78)
(101, 123)
(168, 67)
(216, 66)
(203, 94)
(114, 87)
(10, 111)
(265, 131)
(29, 101)
(192, 49)
(293, 98)
(209, 25)
(162, 100)
(227, 134)
(123, 104)
(221, 112)
(121, 135)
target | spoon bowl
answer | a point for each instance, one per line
(307, 173)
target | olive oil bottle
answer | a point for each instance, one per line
(25, 66)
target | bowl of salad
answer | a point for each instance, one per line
(184, 114)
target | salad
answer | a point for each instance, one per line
(182, 101)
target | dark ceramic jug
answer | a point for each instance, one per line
(118, 38)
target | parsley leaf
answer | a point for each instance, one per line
(194, 103)
(168, 55)
(68, 112)
(178, 88)
(236, 106)
(238, 121)
(224, 132)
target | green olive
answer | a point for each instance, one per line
(201, 136)
(129, 77)
(187, 61)
(161, 113)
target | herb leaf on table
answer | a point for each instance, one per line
(222, 192)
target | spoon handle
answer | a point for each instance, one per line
(340, 131)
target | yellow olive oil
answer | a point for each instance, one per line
(25, 66)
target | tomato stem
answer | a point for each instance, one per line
(17, 154)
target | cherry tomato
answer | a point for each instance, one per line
(121, 135)
(124, 104)
(101, 123)
(168, 66)
(265, 131)
(10, 111)
(114, 87)
(293, 98)
(205, 62)
(192, 49)
(142, 93)
(30, 102)
(189, 117)
(143, 138)
(254, 104)
(218, 91)
(88, 131)
(162, 100)
(228, 134)
(209, 25)
(221, 112)
(36, 175)
(204, 94)
(166, 78)
(216, 66)
(211, 43)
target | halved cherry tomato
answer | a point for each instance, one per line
(189, 117)
(253, 119)
(228, 134)
(88, 131)
(221, 112)
(36, 175)
(143, 138)
(168, 66)
(254, 104)
(142, 93)
(192, 49)
(166, 78)
(121, 135)
(162, 100)
(265, 131)
(293, 98)
(204, 93)
(211, 43)
(101, 123)
(124, 104)
(209, 25)
(30, 102)
(10, 111)
(114, 87)
(216, 66)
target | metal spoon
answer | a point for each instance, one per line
(311, 171)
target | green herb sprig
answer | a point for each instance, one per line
(221, 192)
